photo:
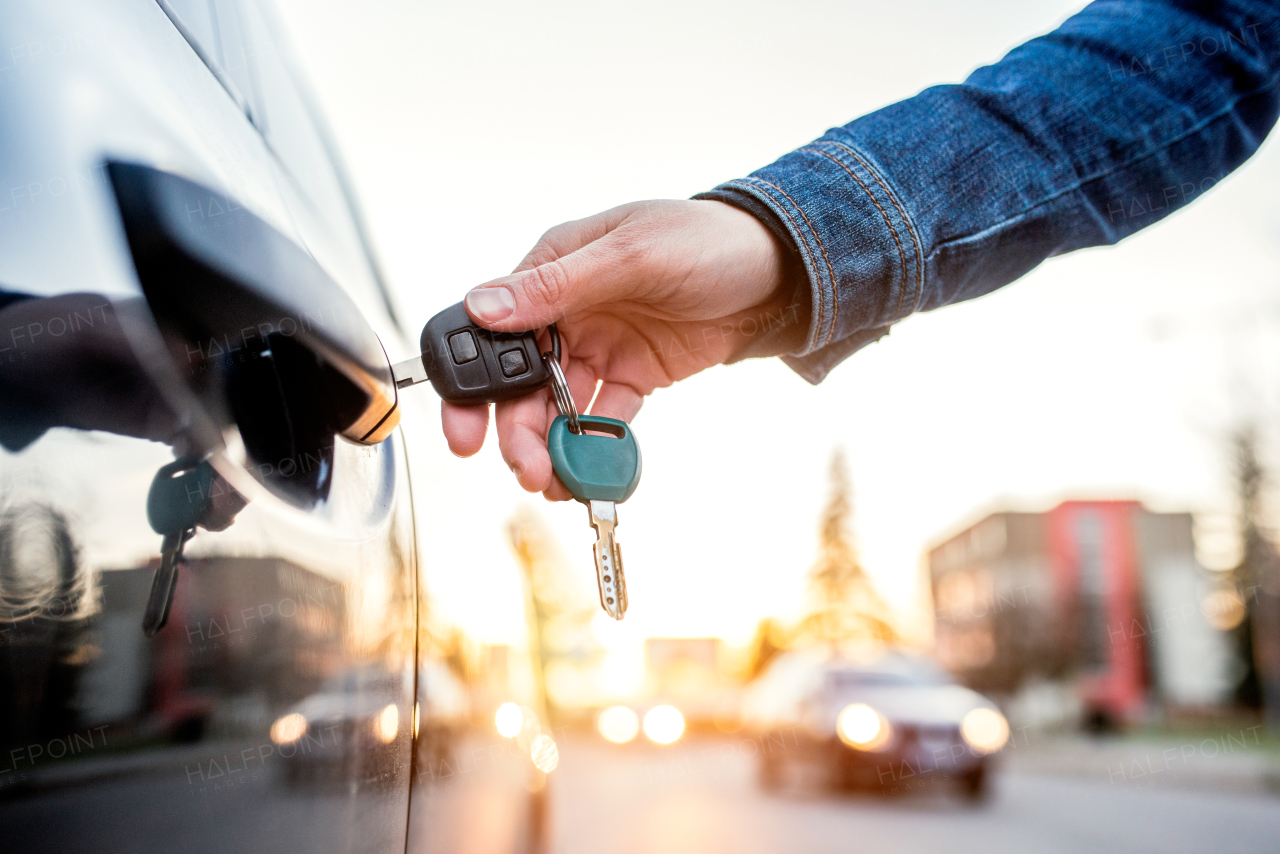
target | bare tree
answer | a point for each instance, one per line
(560, 605)
(1257, 580)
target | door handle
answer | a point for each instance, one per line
(214, 271)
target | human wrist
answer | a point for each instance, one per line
(777, 323)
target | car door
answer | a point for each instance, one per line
(160, 302)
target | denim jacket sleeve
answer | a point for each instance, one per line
(1128, 111)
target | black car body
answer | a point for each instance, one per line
(183, 275)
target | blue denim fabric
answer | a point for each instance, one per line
(1127, 112)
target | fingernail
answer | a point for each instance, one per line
(491, 304)
(517, 470)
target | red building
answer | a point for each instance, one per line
(1093, 555)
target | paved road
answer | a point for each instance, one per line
(700, 797)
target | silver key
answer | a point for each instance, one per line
(613, 584)
(409, 373)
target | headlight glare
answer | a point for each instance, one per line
(509, 720)
(985, 730)
(288, 728)
(862, 727)
(618, 724)
(663, 724)
(386, 724)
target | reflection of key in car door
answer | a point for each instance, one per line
(180, 495)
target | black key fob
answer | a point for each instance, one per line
(471, 365)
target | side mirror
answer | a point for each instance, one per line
(219, 276)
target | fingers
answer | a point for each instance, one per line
(464, 427)
(613, 400)
(545, 294)
(522, 432)
(523, 424)
(223, 506)
(522, 439)
(617, 400)
(569, 237)
(556, 490)
(582, 384)
(553, 282)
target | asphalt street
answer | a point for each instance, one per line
(701, 796)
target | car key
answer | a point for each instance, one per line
(468, 364)
(601, 472)
(180, 495)
(164, 583)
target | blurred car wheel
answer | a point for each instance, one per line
(974, 786)
(769, 772)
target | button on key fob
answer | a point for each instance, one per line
(471, 365)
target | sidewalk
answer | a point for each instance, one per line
(1240, 760)
(158, 761)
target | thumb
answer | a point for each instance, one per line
(601, 271)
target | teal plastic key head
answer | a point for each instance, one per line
(180, 494)
(594, 467)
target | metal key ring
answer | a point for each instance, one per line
(560, 388)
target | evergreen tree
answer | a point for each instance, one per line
(843, 604)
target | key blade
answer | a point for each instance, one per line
(613, 595)
(608, 559)
(620, 576)
(408, 373)
(163, 584)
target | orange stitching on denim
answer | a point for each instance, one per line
(835, 289)
(804, 245)
(911, 229)
(835, 298)
(902, 256)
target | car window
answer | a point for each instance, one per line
(287, 122)
(843, 680)
(212, 28)
(197, 20)
(309, 179)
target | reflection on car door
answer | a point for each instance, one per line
(275, 709)
(280, 690)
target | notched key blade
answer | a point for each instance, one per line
(608, 559)
(613, 591)
(620, 577)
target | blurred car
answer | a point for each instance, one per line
(352, 718)
(661, 723)
(185, 280)
(886, 721)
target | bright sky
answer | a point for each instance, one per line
(471, 128)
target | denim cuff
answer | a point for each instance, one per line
(961, 189)
(861, 252)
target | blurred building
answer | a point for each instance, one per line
(687, 672)
(232, 616)
(1104, 596)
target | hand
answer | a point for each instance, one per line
(73, 367)
(644, 295)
